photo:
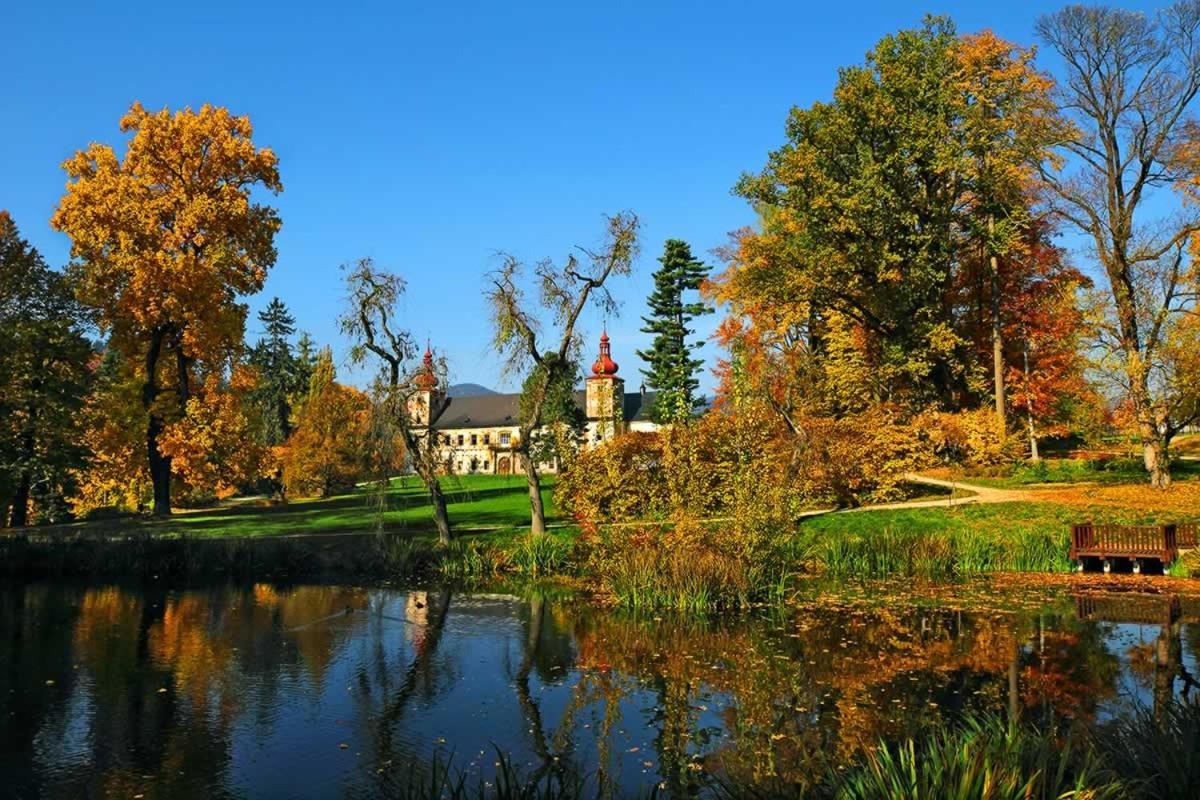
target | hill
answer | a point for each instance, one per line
(469, 390)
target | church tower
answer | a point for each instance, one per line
(426, 401)
(605, 396)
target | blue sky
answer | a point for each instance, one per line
(429, 136)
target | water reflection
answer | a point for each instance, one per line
(314, 691)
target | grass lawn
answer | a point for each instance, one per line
(1069, 470)
(998, 518)
(474, 502)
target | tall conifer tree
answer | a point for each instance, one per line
(672, 369)
(279, 372)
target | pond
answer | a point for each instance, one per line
(320, 691)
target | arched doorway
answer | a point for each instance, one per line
(503, 466)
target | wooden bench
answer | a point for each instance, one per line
(1137, 543)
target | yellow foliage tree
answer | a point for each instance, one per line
(115, 476)
(327, 451)
(165, 240)
(214, 447)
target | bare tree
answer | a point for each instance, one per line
(563, 292)
(370, 320)
(1129, 81)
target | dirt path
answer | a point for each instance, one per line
(977, 495)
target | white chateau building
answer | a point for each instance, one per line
(480, 434)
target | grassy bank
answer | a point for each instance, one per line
(637, 566)
(1102, 471)
(474, 502)
(941, 543)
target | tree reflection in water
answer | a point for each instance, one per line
(318, 690)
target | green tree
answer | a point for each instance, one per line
(563, 421)
(672, 370)
(278, 371)
(44, 359)
(862, 217)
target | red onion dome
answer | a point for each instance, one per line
(427, 377)
(604, 365)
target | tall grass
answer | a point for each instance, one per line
(1141, 757)
(939, 554)
(440, 780)
(986, 759)
(541, 554)
(1155, 751)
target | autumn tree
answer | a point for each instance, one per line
(564, 291)
(325, 452)
(405, 391)
(110, 429)
(216, 446)
(1008, 123)
(44, 373)
(671, 368)
(165, 239)
(862, 213)
(1128, 82)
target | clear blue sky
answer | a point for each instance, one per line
(429, 136)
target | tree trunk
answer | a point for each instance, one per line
(440, 516)
(997, 338)
(20, 500)
(1156, 455)
(160, 465)
(160, 468)
(1034, 455)
(537, 512)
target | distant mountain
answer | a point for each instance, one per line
(469, 390)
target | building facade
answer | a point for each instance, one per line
(480, 435)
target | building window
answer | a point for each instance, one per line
(486, 466)
(505, 439)
(460, 466)
(487, 438)
(460, 439)
(474, 439)
(474, 464)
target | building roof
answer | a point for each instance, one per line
(501, 410)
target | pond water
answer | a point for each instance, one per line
(322, 691)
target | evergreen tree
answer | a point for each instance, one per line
(280, 375)
(672, 369)
(44, 359)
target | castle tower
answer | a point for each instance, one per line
(428, 397)
(605, 395)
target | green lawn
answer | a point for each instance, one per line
(475, 502)
(1068, 470)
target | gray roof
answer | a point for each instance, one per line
(500, 410)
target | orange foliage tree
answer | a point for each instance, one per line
(327, 450)
(165, 239)
(215, 446)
